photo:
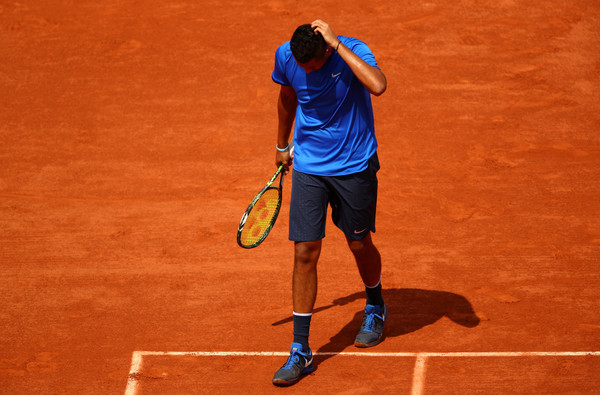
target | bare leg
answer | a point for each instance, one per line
(367, 258)
(305, 275)
(368, 261)
(304, 292)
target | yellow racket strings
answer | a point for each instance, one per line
(260, 218)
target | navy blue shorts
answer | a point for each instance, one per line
(353, 200)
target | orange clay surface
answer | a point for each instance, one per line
(133, 134)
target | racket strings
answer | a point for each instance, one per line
(261, 217)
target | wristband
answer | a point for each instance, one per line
(336, 48)
(282, 150)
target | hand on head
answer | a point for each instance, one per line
(325, 30)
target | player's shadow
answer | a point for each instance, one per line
(410, 310)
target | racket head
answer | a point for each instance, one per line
(261, 214)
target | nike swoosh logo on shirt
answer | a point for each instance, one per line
(335, 75)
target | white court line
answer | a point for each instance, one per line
(418, 372)
(136, 366)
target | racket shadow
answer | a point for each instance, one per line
(409, 311)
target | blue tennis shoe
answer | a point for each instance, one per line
(299, 362)
(371, 330)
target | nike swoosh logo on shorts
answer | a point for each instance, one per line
(359, 231)
(335, 75)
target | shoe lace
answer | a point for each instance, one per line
(369, 320)
(293, 359)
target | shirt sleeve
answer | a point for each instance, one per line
(361, 49)
(281, 58)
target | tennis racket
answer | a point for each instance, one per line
(261, 214)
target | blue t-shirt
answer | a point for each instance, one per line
(334, 131)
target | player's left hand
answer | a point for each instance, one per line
(325, 30)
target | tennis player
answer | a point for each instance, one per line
(326, 86)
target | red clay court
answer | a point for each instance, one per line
(134, 134)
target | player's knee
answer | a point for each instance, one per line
(307, 252)
(360, 246)
(357, 246)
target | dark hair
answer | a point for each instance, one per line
(306, 44)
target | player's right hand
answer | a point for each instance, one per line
(284, 158)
